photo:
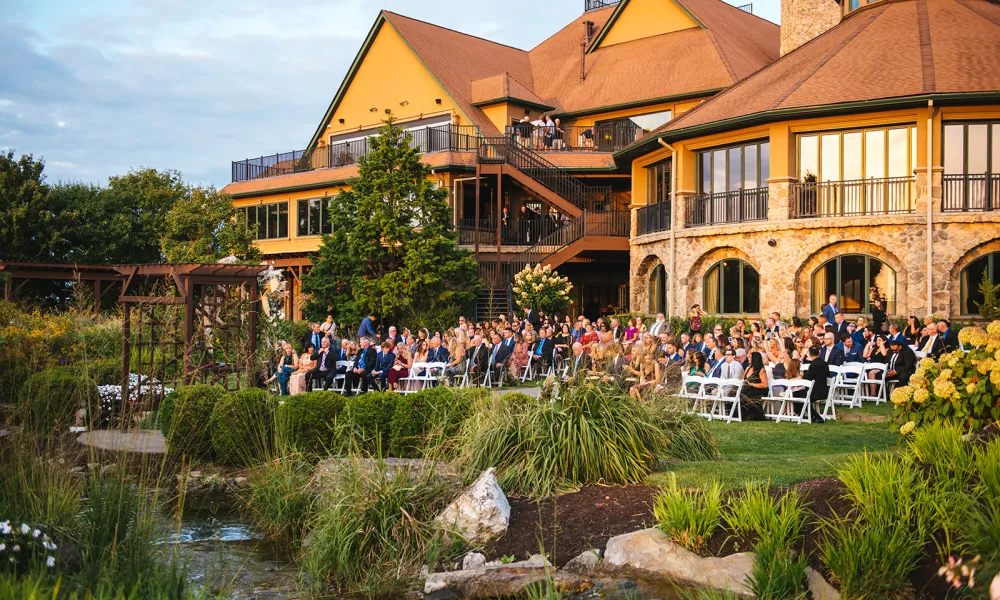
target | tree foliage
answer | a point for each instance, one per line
(989, 308)
(393, 250)
(203, 226)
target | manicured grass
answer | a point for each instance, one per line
(784, 453)
(869, 408)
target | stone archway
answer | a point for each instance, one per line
(694, 281)
(955, 276)
(803, 276)
(640, 282)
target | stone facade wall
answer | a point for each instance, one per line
(801, 246)
(802, 20)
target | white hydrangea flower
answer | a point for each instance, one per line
(36, 533)
(25, 529)
(50, 562)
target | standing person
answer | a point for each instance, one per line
(878, 315)
(367, 328)
(592, 310)
(755, 387)
(531, 316)
(830, 309)
(660, 326)
(364, 363)
(696, 314)
(298, 382)
(314, 336)
(329, 327)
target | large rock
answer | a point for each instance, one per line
(500, 581)
(651, 552)
(819, 588)
(479, 514)
(585, 563)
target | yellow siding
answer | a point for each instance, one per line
(293, 243)
(389, 75)
(501, 114)
(647, 18)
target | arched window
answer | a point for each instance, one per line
(658, 290)
(732, 287)
(856, 279)
(972, 276)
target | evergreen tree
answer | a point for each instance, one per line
(989, 308)
(393, 250)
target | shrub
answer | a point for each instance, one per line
(373, 539)
(166, 411)
(871, 560)
(779, 572)
(104, 371)
(307, 421)
(49, 399)
(432, 413)
(369, 421)
(277, 500)
(588, 435)
(755, 513)
(242, 427)
(958, 388)
(186, 425)
(689, 436)
(689, 517)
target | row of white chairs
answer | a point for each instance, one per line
(713, 397)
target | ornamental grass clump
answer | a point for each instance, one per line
(959, 388)
(539, 447)
(689, 517)
(277, 500)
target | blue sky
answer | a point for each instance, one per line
(99, 87)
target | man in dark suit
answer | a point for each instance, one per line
(508, 340)
(314, 336)
(435, 352)
(478, 356)
(579, 364)
(831, 354)
(852, 352)
(542, 352)
(818, 373)
(394, 336)
(895, 333)
(840, 325)
(383, 362)
(326, 367)
(364, 362)
(902, 363)
(531, 316)
(498, 355)
(617, 331)
(931, 344)
(949, 341)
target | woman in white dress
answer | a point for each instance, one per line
(297, 383)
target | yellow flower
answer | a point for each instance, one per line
(907, 428)
(945, 374)
(978, 338)
(901, 395)
(945, 390)
(970, 388)
(993, 328)
(995, 376)
(921, 395)
(985, 366)
(926, 363)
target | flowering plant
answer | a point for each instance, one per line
(541, 288)
(22, 547)
(960, 387)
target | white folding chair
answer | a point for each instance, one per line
(340, 378)
(704, 404)
(728, 400)
(412, 382)
(432, 375)
(463, 379)
(872, 377)
(783, 397)
(845, 386)
(527, 368)
(691, 389)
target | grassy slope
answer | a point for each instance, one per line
(785, 453)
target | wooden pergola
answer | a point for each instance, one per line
(145, 286)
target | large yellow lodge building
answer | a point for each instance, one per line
(702, 154)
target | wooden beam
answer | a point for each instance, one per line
(97, 296)
(153, 300)
(8, 288)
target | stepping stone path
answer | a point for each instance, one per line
(146, 441)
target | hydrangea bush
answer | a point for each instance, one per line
(962, 388)
(541, 288)
(24, 547)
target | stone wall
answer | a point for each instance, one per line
(801, 246)
(802, 20)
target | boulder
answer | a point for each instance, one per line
(584, 564)
(473, 560)
(819, 588)
(495, 581)
(481, 513)
(651, 552)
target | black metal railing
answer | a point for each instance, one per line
(574, 138)
(612, 223)
(504, 150)
(653, 218)
(974, 192)
(738, 206)
(892, 195)
(595, 4)
(516, 232)
(456, 138)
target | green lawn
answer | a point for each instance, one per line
(784, 453)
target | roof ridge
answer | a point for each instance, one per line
(475, 37)
(963, 4)
(722, 55)
(926, 53)
(573, 22)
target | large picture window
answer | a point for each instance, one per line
(314, 216)
(971, 166)
(972, 276)
(856, 279)
(268, 221)
(857, 155)
(742, 167)
(732, 287)
(658, 290)
(658, 177)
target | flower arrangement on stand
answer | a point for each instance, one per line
(541, 288)
(961, 387)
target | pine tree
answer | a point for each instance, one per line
(989, 308)
(393, 251)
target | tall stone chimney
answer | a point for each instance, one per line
(802, 20)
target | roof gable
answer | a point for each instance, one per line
(638, 19)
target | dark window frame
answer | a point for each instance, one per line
(839, 286)
(992, 271)
(743, 266)
(313, 229)
(262, 219)
(710, 152)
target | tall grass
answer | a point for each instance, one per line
(779, 572)
(689, 517)
(37, 489)
(755, 513)
(942, 448)
(538, 447)
(689, 437)
(871, 560)
(277, 501)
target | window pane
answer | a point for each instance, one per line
(996, 148)
(303, 211)
(719, 171)
(283, 220)
(765, 162)
(731, 286)
(852, 156)
(751, 289)
(977, 148)
(853, 290)
(874, 154)
(830, 153)
(913, 149)
(882, 282)
(972, 275)
(954, 149)
(325, 225)
(820, 286)
(808, 156)
(314, 216)
(750, 180)
(261, 222)
(706, 173)
(899, 159)
(735, 169)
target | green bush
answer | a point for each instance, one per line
(689, 517)
(307, 422)
(242, 427)
(49, 399)
(166, 410)
(779, 572)
(186, 425)
(434, 413)
(104, 371)
(755, 514)
(369, 419)
(871, 560)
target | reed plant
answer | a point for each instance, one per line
(779, 571)
(756, 514)
(689, 517)
(277, 500)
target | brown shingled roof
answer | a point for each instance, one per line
(893, 49)
(502, 86)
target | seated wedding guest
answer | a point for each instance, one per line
(498, 357)
(352, 352)
(631, 332)
(902, 363)
(563, 342)
(790, 349)
(384, 359)
(660, 325)
(648, 372)
(831, 354)
(402, 362)
(931, 345)
(364, 362)
(455, 361)
(589, 336)
(673, 356)
(287, 365)
(437, 353)
(852, 352)
(615, 363)
(729, 367)
(818, 373)
(912, 333)
(742, 358)
(949, 341)
(579, 363)
(796, 327)
(326, 366)
(521, 351)
(695, 364)
(717, 359)
(298, 382)
(543, 351)
(895, 333)
(421, 356)
(772, 351)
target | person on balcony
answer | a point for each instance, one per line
(548, 132)
(558, 136)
